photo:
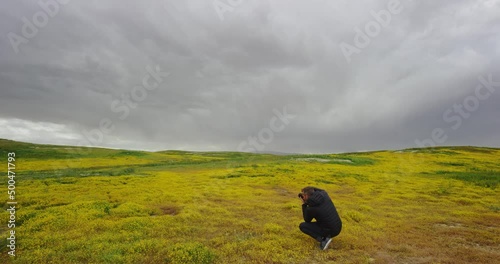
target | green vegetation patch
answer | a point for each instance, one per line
(45, 174)
(130, 153)
(488, 179)
(454, 164)
(356, 160)
(477, 149)
(342, 159)
(45, 153)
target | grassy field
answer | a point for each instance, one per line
(92, 205)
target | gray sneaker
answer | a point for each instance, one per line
(325, 243)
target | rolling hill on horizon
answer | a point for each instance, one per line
(21, 145)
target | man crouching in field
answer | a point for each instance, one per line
(317, 204)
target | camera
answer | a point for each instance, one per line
(301, 196)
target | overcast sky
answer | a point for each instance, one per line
(299, 76)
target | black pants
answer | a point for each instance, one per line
(315, 231)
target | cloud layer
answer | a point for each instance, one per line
(233, 64)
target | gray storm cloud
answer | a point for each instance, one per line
(212, 75)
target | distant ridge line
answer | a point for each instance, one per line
(276, 153)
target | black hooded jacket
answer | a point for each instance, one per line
(320, 206)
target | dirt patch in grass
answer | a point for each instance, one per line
(345, 189)
(282, 191)
(169, 210)
(449, 225)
